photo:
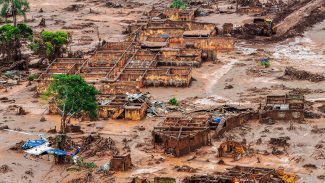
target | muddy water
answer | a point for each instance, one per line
(317, 34)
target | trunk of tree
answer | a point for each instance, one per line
(63, 123)
(61, 159)
(25, 18)
(13, 12)
(236, 5)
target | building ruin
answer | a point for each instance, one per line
(283, 108)
(160, 50)
(179, 136)
(237, 174)
(121, 163)
(232, 149)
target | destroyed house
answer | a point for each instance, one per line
(58, 66)
(232, 149)
(116, 71)
(121, 107)
(172, 14)
(155, 53)
(283, 107)
(237, 174)
(114, 107)
(121, 163)
(180, 136)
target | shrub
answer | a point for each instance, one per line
(266, 64)
(32, 77)
(173, 101)
(179, 4)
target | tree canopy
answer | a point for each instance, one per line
(51, 44)
(10, 39)
(14, 8)
(72, 96)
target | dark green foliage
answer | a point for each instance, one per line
(10, 40)
(14, 8)
(51, 44)
(58, 38)
(73, 96)
(173, 101)
(81, 163)
(25, 30)
(179, 4)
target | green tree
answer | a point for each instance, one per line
(10, 40)
(73, 96)
(14, 8)
(51, 44)
(179, 4)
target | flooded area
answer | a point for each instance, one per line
(181, 92)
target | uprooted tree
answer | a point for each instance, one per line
(14, 8)
(11, 38)
(73, 97)
(51, 44)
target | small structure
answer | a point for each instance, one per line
(283, 108)
(121, 163)
(180, 136)
(232, 149)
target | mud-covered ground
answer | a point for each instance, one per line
(240, 68)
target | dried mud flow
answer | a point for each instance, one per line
(237, 79)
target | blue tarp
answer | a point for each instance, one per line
(216, 120)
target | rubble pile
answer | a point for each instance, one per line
(281, 141)
(317, 130)
(11, 78)
(68, 145)
(18, 146)
(96, 145)
(319, 152)
(16, 110)
(74, 7)
(185, 168)
(4, 127)
(292, 73)
(5, 169)
(123, 4)
(322, 108)
(257, 29)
